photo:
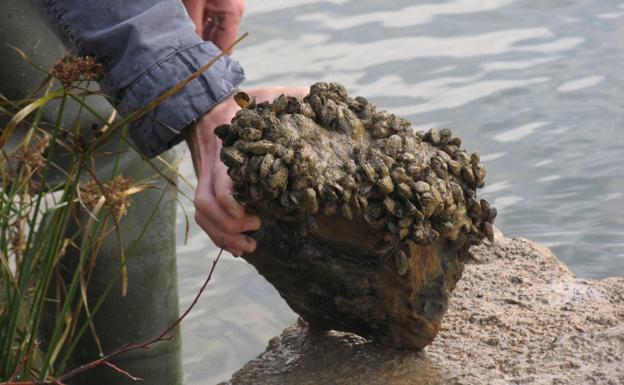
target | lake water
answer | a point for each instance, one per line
(537, 87)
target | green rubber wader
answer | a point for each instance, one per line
(151, 303)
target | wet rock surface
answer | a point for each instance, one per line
(366, 223)
(518, 316)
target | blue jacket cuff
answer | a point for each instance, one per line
(162, 128)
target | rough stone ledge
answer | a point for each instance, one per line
(518, 316)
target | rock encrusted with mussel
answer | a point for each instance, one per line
(366, 223)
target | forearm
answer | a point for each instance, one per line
(147, 47)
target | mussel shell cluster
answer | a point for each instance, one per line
(332, 154)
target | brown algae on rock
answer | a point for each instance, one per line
(365, 223)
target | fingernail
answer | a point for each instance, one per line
(252, 244)
(252, 225)
(243, 245)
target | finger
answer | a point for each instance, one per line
(225, 36)
(208, 209)
(221, 36)
(222, 186)
(221, 238)
(252, 244)
(269, 93)
(195, 9)
(221, 29)
(210, 30)
(228, 241)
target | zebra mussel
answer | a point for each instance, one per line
(331, 154)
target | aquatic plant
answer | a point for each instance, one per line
(43, 218)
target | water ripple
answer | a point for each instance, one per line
(321, 53)
(519, 132)
(404, 17)
(579, 84)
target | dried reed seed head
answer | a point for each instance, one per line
(33, 155)
(337, 155)
(71, 68)
(117, 200)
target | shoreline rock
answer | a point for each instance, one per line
(517, 316)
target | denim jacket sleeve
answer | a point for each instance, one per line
(146, 47)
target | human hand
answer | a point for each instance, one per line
(217, 21)
(216, 210)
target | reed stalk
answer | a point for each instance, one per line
(38, 218)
